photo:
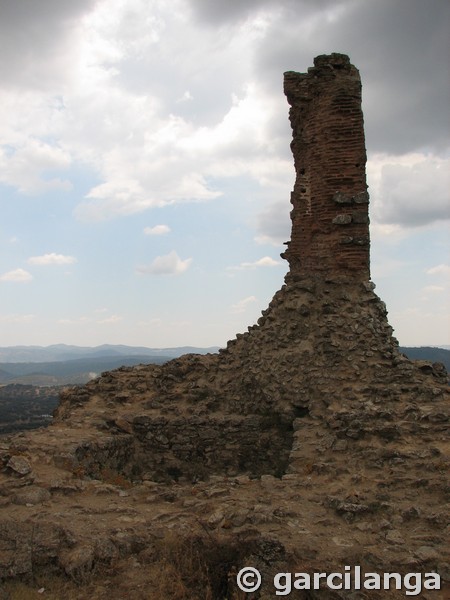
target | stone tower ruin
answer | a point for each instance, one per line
(330, 222)
(321, 362)
(309, 433)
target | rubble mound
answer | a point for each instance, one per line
(307, 444)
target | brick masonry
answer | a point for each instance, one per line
(330, 222)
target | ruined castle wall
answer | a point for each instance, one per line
(322, 352)
(330, 224)
(172, 447)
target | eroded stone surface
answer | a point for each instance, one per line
(19, 465)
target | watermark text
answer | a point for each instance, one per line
(351, 578)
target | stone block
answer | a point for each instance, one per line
(342, 220)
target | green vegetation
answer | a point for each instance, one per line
(26, 407)
(68, 372)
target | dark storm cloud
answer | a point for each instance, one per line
(407, 90)
(22, 18)
(401, 49)
(34, 37)
(217, 12)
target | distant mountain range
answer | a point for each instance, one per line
(61, 352)
(61, 364)
(31, 376)
(69, 365)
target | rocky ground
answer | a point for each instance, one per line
(275, 464)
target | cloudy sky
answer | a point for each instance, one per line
(145, 169)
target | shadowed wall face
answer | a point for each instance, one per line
(330, 220)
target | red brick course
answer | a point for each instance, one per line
(330, 224)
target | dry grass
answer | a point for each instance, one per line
(50, 587)
(173, 569)
(114, 478)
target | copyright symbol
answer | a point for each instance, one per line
(249, 579)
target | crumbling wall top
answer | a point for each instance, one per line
(330, 221)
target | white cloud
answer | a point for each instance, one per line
(157, 230)
(25, 167)
(409, 190)
(155, 322)
(266, 261)
(130, 188)
(18, 275)
(14, 318)
(434, 289)
(273, 224)
(110, 320)
(113, 99)
(402, 111)
(244, 123)
(439, 270)
(169, 264)
(242, 305)
(185, 97)
(97, 319)
(75, 321)
(387, 233)
(130, 128)
(52, 259)
(429, 328)
(386, 267)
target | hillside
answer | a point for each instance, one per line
(72, 365)
(68, 372)
(433, 354)
(25, 407)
